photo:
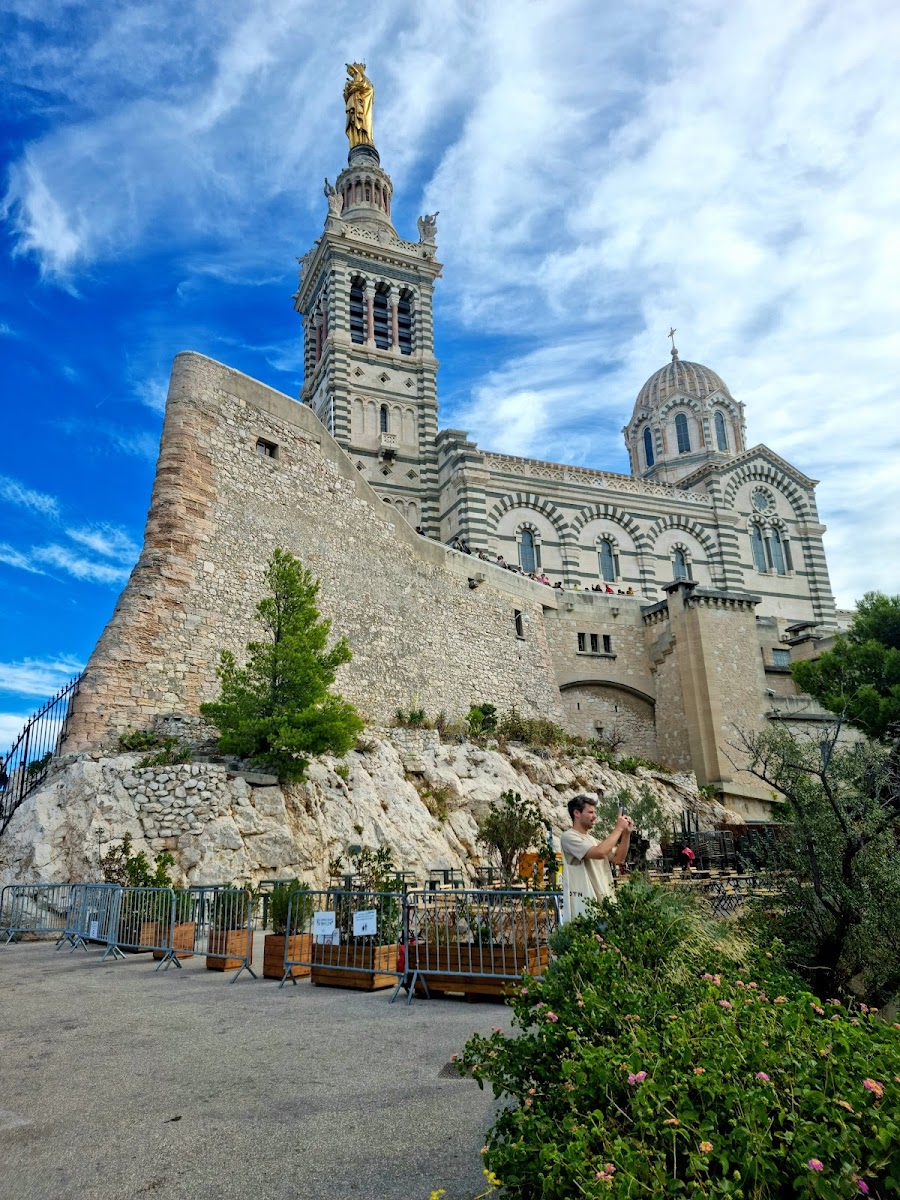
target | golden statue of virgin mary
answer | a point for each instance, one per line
(358, 98)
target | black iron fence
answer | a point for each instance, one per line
(26, 766)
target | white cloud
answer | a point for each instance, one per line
(14, 492)
(11, 725)
(17, 558)
(106, 540)
(38, 677)
(81, 568)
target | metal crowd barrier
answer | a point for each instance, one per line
(93, 913)
(34, 908)
(215, 923)
(346, 938)
(477, 941)
(143, 921)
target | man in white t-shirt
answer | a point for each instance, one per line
(586, 873)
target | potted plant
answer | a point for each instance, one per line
(300, 944)
(348, 958)
(230, 930)
(144, 917)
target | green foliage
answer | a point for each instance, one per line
(120, 866)
(171, 751)
(663, 1057)
(436, 798)
(342, 771)
(645, 809)
(836, 871)
(138, 739)
(280, 900)
(860, 677)
(509, 828)
(512, 726)
(278, 710)
(38, 765)
(231, 907)
(413, 718)
(481, 720)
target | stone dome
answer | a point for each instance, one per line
(677, 377)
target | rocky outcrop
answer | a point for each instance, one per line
(404, 789)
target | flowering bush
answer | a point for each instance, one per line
(682, 1062)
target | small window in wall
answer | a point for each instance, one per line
(721, 437)
(756, 545)
(607, 560)
(527, 558)
(682, 433)
(383, 419)
(582, 643)
(595, 644)
(781, 658)
(682, 568)
(607, 644)
(519, 622)
(266, 449)
(648, 447)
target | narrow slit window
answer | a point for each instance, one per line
(404, 324)
(582, 643)
(383, 423)
(381, 315)
(519, 622)
(682, 569)
(607, 561)
(682, 433)
(648, 447)
(527, 559)
(721, 436)
(756, 545)
(778, 553)
(595, 644)
(357, 312)
(607, 644)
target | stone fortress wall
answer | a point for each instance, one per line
(420, 635)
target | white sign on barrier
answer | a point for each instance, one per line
(94, 931)
(365, 922)
(323, 923)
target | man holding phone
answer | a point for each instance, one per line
(586, 872)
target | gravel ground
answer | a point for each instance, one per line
(118, 1082)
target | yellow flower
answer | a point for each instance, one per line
(844, 1104)
(437, 1194)
(671, 1121)
(705, 1147)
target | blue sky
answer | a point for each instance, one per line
(601, 171)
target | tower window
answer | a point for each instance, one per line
(756, 545)
(383, 419)
(519, 623)
(357, 312)
(527, 559)
(721, 438)
(778, 553)
(382, 320)
(681, 565)
(582, 646)
(595, 644)
(368, 190)
(607, 560)
(682, 433)
(607, 644)
(781, 658)
(404, 324)
(266, 449)
(648, 447)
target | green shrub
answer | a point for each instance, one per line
(481, 720)
(512, 726)
(342, 771)
(414, 718)
(436, 799)
(138, 739)
(170, 752)
(509, 828)
(663, 1057)
(280, 900)
(120, 866)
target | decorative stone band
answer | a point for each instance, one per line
(697, 597)
(512, 465)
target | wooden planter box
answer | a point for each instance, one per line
(273, 955)
(182, 941)
(223, 942)
(475, 969)
(142, 933)
(354, 966)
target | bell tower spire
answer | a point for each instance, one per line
(365, 296)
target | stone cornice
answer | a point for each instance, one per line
(761, 451)
(537, 469)
(378, 246)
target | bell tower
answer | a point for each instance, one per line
(365, 296)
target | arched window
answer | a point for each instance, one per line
(682, 434)
(721, 438)
(368, 190)
(756, 545)
(527, 560)
(357, 311)
(383, 419)
(648, 446)
(778, 553)
(681, 565)
(381, 319)
(607, 561)
(404, 323)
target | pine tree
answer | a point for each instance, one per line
(278, 710)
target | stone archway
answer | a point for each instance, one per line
(603, 707)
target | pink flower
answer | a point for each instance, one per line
(864, 1008)
(872, 1085)
(639, 1078)
(724, 1004)
(551, 1016)
(495, 1029)
(705, 1147)
(862, 1186)
(699, 1070)
(780, 1000)
(454, 1058)
(815, 1008)
(762, 1077)
(816, 1164)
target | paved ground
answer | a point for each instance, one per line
(117, 1082)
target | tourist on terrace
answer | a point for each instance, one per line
(630, 592)
(609, 591)
(586, 871)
